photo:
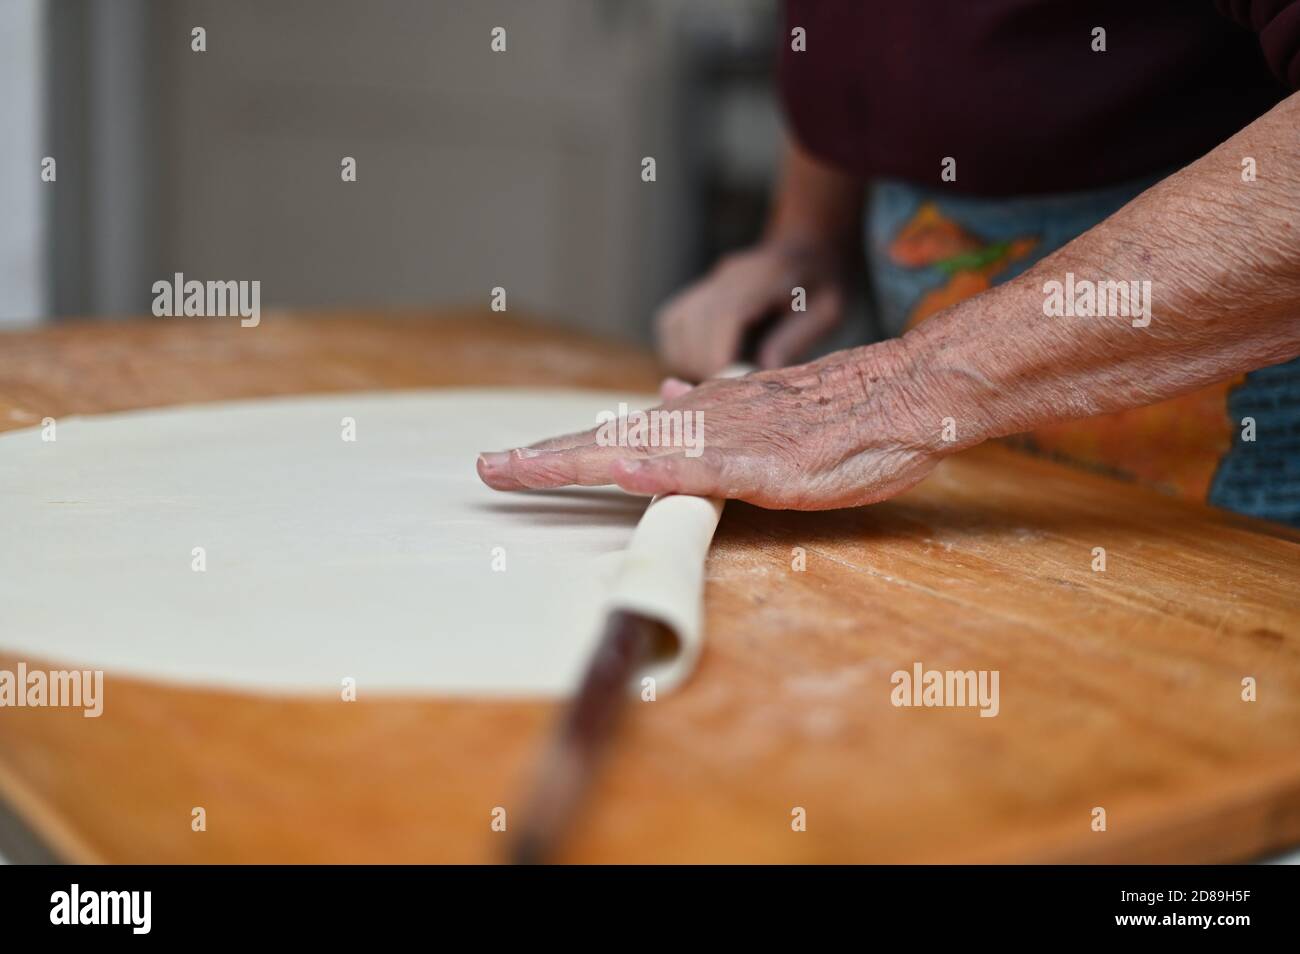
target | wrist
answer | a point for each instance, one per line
(803, 243)
(965, 384)
(899, 406)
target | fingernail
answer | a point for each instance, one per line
(631, 466)
(493, 459)
(526, 452)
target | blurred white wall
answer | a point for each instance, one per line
(22, 195)
(475, 168)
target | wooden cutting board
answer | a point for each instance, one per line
(1119, 690)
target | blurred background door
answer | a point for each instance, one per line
(22, 222)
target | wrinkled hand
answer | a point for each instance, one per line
(700, 331)
(850, 429)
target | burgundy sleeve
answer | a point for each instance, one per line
(1278, 24)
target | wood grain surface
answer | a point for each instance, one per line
(1119, 689)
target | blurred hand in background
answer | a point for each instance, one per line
(784, 294)
(704, 328)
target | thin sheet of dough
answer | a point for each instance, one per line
(374, 559)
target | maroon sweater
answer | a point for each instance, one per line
(1014, 92)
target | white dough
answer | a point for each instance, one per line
(662, 576)
(326, 559)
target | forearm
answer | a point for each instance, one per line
(814, 205)
(1222, 257)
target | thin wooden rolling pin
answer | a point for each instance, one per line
(652, 630)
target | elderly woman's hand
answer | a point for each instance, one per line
(859, 426)
(849, 429)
